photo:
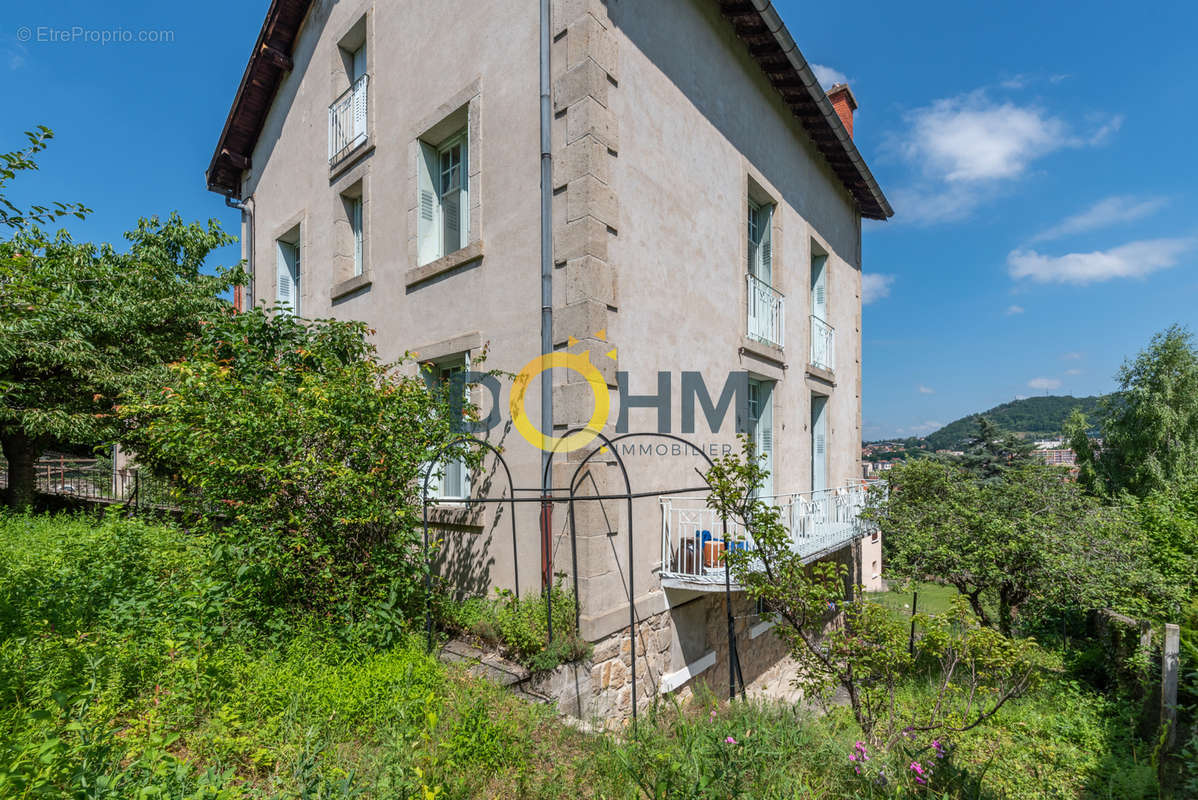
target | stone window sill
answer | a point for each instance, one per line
(819, 373)
(455, 514)
(350, 157)
(766, 352)
(459, 258)
(350, 285)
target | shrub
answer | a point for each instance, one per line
(302, 456)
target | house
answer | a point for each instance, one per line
(706, 207)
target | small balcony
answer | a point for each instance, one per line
(693, 542)
(767, 312)
(823, 344)
(347, 120)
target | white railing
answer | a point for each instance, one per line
(823, 344)
(347, 119)
(767, 307)
(693, 538)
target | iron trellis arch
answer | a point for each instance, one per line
(734, 670)
(428, 564)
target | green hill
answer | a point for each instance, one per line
(1038, 417)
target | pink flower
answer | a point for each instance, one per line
(713, 713)
(920, 775)
(853, 757)
(729, 740)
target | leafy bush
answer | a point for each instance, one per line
(303, 457)
(519, 626)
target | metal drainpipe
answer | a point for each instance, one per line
(246, 207)
(546, 289)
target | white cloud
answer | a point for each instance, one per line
(1103, 214)
(970, 137)
(926, 390)
(966, 147)
(827, 76)
(1013, 310)
(1074, 371)
(1132, 260)
(874, 287)
(1073, 356)
(1045, 384)
(1021, 397)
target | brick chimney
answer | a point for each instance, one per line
(844, 103)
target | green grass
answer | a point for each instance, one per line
(127, 671)
(934, 598)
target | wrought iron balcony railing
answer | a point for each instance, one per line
(347, 120)
(693, 539)
(767, 312)
(823, 344)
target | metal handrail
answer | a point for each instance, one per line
(823, 344)
(766, 312)
(347, 119)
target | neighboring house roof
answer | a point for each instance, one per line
(756, 23)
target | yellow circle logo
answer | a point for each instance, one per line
(580, 363)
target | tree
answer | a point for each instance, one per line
(1029, 536)
(16, 161)
(839, 639)
(1150, 425)
(992, 452)
(80, 324)
(303, 455)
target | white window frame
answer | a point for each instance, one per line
(761, 241)
(441, 484)
(761, 413)
(288, 274)
(434, 197)
(357, 228)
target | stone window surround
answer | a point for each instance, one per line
(353, 181)
(451, 513)
(359, 34)
(435, 127)
(758, 190)
(300, 220)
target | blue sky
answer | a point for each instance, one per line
(1040, 159)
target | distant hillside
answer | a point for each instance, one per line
(1034, 417)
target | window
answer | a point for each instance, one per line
(761, 429)
(819, 442)
(761, 265)
(443, 224)
(766, 310)
(288, 292)
(348, 113)
(450, 479)
(355, 224)
(823, 336)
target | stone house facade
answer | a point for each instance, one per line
(707, 201)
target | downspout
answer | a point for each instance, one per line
(546, 296)
(246, 207)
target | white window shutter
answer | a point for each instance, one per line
(359, 110)
(767, 244)
(765, 427)
(427, 233)
(359, 65)
(358, 235)
(819, 287)
(285, 295)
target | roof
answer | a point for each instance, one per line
(770, 44)
(269, 61)
(756, 23)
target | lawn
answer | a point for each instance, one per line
(126, 670)
(934, 598)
